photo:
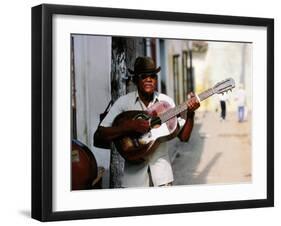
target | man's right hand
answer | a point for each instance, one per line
(108, 134)
(137, 126)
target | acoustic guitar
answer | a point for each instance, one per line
(162, 118)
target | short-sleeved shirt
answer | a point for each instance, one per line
(159, 164)
(241, 98)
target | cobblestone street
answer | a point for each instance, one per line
(217, 152)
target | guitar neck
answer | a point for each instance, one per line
(183, 107)
(207, 93)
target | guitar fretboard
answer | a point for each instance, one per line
(207, 93)
(182, 107)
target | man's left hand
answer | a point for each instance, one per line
(192, 103)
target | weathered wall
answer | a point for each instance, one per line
(92, 64)
(124, 53)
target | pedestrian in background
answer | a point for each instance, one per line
(223, 99)
(241, 103)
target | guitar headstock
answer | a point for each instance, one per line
(224, 86)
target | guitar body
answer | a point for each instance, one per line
(136, 147)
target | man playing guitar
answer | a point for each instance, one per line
(156, 170)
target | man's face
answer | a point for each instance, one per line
(147, 83)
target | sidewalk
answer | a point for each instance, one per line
(217, 152)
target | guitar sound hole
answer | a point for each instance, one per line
(142, 116)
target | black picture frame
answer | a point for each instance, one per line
(42, 107)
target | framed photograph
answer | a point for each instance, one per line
(145, 112)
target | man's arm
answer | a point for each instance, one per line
(185, 132)
(192, 105)
(108, 134)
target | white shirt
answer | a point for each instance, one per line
(136, 175)
(241, 98)
(223, 97)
